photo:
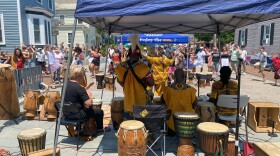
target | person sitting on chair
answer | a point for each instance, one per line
(80, 98)
(224, 86)
(134, 90)
(179, 97)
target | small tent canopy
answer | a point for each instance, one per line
(173, 16)
(155, 38)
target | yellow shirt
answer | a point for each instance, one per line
(178, 100)
(218, 89)
(160, 67)
(134, 93)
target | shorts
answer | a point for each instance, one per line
(96, 62)
(199, 64)
(262, 66)
(171, 69)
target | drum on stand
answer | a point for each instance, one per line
(50, 98)
(117, 108)
(96, 103)
(30, 140)
(8, 90)
(132, 138)
(212, 135)
(31, 103)
(185, 124)
(206, 111)
(208, 79)
(201, 77)
(99, 80)
(109, 84)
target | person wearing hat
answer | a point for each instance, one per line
(276, 63)
(160, 64)
(200, 56)
(224, 86)
(134, 76)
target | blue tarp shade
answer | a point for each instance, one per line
(175, 16)
(155, 38)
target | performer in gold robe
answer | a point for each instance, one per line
(179, 97)
(160, 65)
(134, 92)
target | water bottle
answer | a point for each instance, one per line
(100, 150)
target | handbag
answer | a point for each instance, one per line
(248, 149)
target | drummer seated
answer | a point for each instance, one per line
(78, 96)
(224, 86)
(179, 97)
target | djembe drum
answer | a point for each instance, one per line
(206, 111)
(185, 124)
(30, 140)
(31, 103)
(96, 103)
(132, 138)
(208, 79)
(109, 83)
(185, 147)
(190, 77)
(50, 98)
(231, 145)
(89, 128)
(8, 90)
(99, 80)
(212, 135)
(201, 77)
(117, 108)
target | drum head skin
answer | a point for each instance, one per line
(96, 101)
(187, 115)
(205, 103)
(5, 65)
(32, 133)
(132, 125)
(212, 127)
(118, 99)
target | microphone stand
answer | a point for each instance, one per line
(238, 103)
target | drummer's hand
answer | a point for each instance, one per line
(89, 85)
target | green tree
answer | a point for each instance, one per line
(204, 37)
(227, 37)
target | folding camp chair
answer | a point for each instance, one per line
(154, 119)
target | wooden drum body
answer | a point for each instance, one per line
(185, 147)
(31, 103)
(99, 80)
(50, 98)
(132, 138)
(89, 127)
(117, 108)
(8, 90)
(208, 79)
(206, 111)
(211, 135)
(30, 140)
(96, 103)
(185, 124)
(231, 145)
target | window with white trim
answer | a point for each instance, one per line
(80, 21)
(61, 17)
(266, 34)
(69, 38)
(50, 4)
(2, 31)
(39, 1)
(37, 33)
(242, 37)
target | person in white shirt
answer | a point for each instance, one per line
(200, 57)
(243, 54)
(111, 50)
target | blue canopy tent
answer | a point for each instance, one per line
(170, 16)
(155, 38)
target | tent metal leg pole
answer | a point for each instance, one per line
(237, 115)
(64, 86)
